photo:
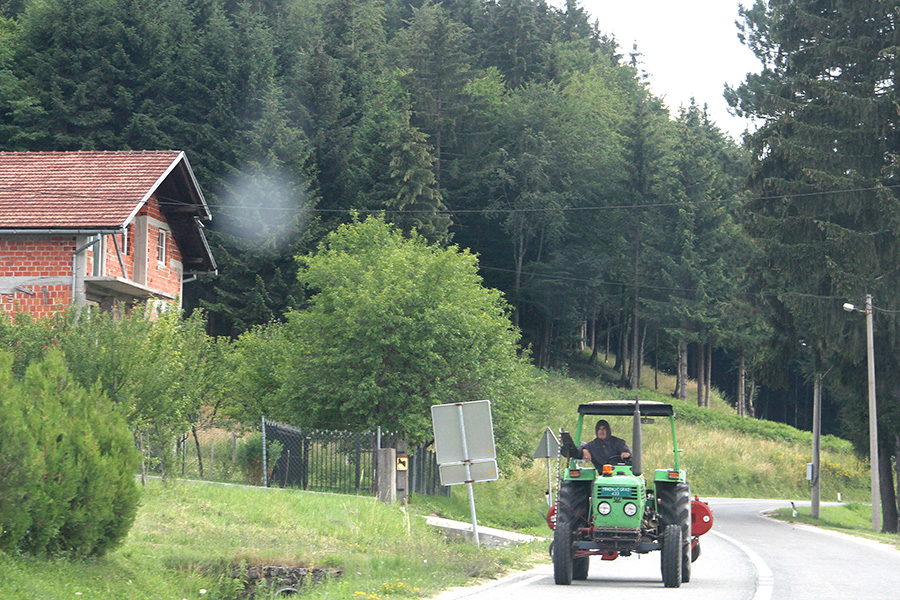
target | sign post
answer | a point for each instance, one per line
(548, 448)
(464, 445)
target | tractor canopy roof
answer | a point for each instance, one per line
(626, 408)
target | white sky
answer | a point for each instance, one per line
(689, 47)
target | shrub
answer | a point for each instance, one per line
(67, 483)
(250, 458)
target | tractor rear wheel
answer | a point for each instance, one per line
(674, 505)
(671, 556)
(563, 552)
(574, 503)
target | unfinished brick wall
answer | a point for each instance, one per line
(39, 256)
(163, 276)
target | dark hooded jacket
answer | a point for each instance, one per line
(602, 450)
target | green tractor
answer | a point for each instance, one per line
(611, 511)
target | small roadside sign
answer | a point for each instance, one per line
(403, 463)
(548, 446)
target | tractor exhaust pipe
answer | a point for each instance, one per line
(637, 466)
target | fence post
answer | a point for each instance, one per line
(402, 475)
(265, 462)
(375, 451)
(358, 465)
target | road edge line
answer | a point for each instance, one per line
(765, 580)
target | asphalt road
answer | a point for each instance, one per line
(746, 556)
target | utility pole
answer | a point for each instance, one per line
(817, 433)
(873, 413)
(873, 418)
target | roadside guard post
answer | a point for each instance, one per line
(464, 445)
(548, 448)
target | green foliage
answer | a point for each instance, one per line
(165, 373)
(249, 457)
(395, 326)
(67, 481)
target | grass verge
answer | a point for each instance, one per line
(854, 518)
(189, 537)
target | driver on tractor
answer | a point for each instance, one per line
(605, 447)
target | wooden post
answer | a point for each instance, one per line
(402, 474)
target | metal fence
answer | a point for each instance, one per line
(309, 459)
(424, 477)
(315, 459)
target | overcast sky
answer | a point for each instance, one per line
(689, 47)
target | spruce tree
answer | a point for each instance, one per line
(826, 206)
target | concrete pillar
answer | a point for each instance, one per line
(79, 268)
(387, 475)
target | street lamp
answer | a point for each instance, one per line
(873, 418)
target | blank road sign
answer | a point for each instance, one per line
(455, 474)
(448, 432)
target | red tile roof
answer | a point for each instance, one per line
(78, 190)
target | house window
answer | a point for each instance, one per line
(161, 247)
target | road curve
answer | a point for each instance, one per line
(746, 556)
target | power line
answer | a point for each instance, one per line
(666, 288)
(507, 210)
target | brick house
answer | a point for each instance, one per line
(98, 228)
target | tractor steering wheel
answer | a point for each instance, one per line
(616, 459)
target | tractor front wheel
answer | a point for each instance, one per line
(563, 553)
(671, 556)
(580, 568)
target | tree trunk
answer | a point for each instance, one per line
(897, 466)
(701, 374)
(582, 338)
(681, 377)
(634, 382)
(656, 360)
(742, 387)
(888, 495)
(608, 335)
(621, 359)
(595, 351)
(708, 385)
(626, 350)
(199, 454)
(751, 409)
(620, 331)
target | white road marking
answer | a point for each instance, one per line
(765, 581)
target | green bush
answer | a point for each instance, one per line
(250, 458)
(67, 464)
